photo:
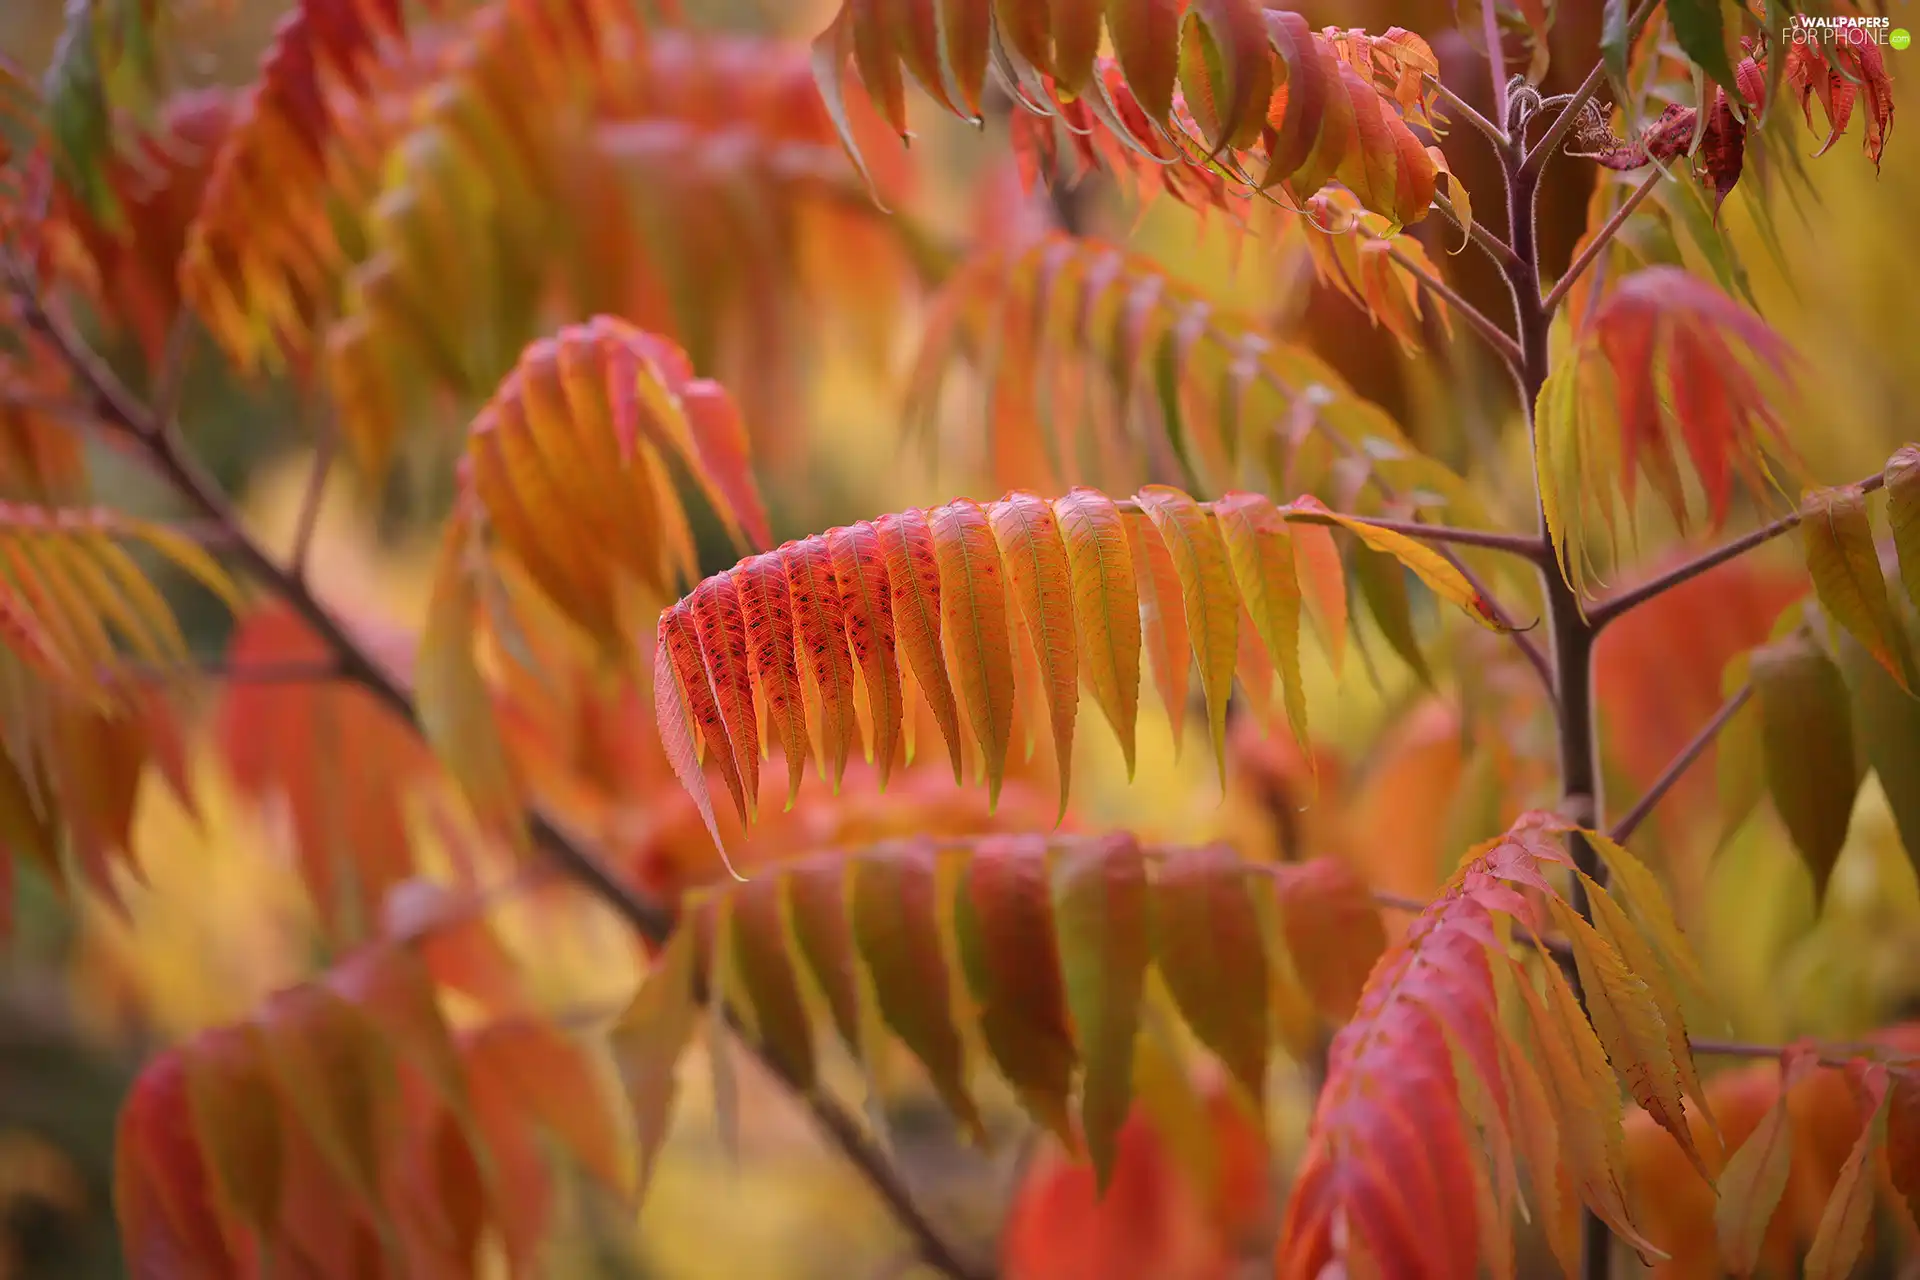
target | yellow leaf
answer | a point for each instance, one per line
(1106, 608)
(973, 608)
(1627, 1018)
(451, 697)
(1756, 1176)
(1261, 552)
(1440, 574)
(1845, 567)
(1207, 594)
(1035, 557)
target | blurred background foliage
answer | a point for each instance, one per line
(1405, 780)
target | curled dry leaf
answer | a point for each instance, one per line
(1836, 72)
(1839, 75)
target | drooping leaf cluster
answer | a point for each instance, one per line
(1664, 366)
(938, 598)
(1833, 690)
(1225, 91)
(1076, 341)
(1465, 1065)
(1050, 955)
(566, 472)
(351, 1129)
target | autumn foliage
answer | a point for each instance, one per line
(707, 440)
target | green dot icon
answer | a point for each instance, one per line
(1900, 38)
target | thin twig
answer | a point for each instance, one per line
(1544, 149)
(1600, 240)
(1612, 607)
(172, 378)
(1499, 250)
(648, 918)
(1827, 1055)
(1496, 337)
(276, 671)
(311, 501)
(1496, 59)
(1512, 543)
(1679, 765)
(1466, 109)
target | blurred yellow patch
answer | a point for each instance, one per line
(221, 920)
(347, 564)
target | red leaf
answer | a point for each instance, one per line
(1004, 925)
(551, 1082)
(339, 761)
(162, 1191)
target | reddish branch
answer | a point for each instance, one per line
(1600, 239)
(1542, 151)
(1838, 1056)
(1607, 610)
(161, 442)
(1679, 765)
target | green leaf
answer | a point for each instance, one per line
(1702, 34)
(1845, 568)
(649, 1041)
(1845, 1221)
(1807, 739)
(1756, 1176)
(1889, 724)
(1260, 552)
(763, 972)
(1100, 915)
(1383, 585)
(235, 1112)
(1615, 46)
(79, 117)
(896, 927)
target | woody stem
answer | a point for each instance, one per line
(1571, 634)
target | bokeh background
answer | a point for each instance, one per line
(1405, 780)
